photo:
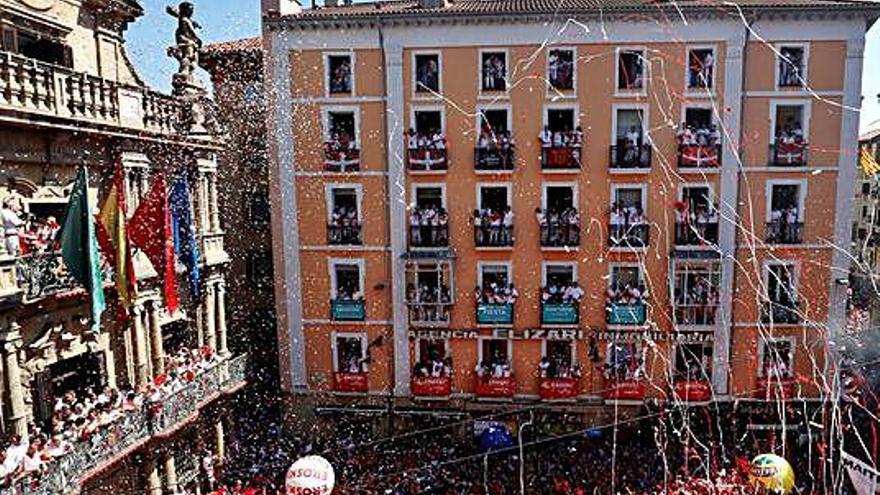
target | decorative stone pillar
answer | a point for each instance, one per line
(208, 310)
(214, 203)
(220, 441)
(158, 347)
(151, 471)
(130, 357)
(12, 368)
(204, 226)
(222, 348)
(171, 485)
(142, 372)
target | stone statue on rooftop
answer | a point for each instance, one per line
(188, 43)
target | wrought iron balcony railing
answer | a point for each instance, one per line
(493, 235)
(494, 159)
(696, 234)
(344, 234)
(628, 236)
(784, 233)
(630, 157)
(560, 235)
(781, 312)
(429, 236)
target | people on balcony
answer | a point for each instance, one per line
(790, 144)
(345, 226)
(496, 294)
(627, 224)
(689, 135)
(429, 304)
(341, 148)
(428, 226)
(493, 368)
(431, 140)
(561, 139)
(349, 294)
(493, 227)
(697, 305)
(12, 224)
(495, 150)
(355, 365)
(629, 369)
(628, 295)
(784, 227)
(559, 227)
(558, 367)
(693, 226)
(433, 367)
(562, 293)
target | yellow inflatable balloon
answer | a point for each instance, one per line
(771, 472)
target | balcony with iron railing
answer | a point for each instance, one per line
(699, 156)
(628, 235)
(493, 235)
(789, 154)
(696, 233)
(427, 160)
(132, 430)
(429, 236)
(47, 90)
(494, 159)
(561, 235)
(35, 276)
(344, 234)
(624, 157)
(779, 232)
(561, 158)
(781, 312)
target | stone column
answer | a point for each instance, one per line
(158, 347)
(171, 486)
(214, 203)
(130, 353)
(209, 320)
(151, 471)
(221, 319)
(142, 375)
(203, 203)
(220, 441)
(11, 351)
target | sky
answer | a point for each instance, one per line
(224, 20)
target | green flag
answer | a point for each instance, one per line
(79, 245)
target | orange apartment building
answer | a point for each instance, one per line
(705, 259)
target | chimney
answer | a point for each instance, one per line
(280, 7)
(433, 4)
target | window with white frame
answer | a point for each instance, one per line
(558, 360)
(701, 68)
(341, 129)
(339, 74)
(427, 73)
(625, 361)
(495, 359)
(429, 290)
(494, 127)
(790, 123)
(351, 353)
(781, 283)
(631, 69)
(432, 358)
(560, 69)
(625, 286)
(344, 216)
(791, 66)
(493, 67)
(428, 131)
(495, 284)
(346, 281)
(693, 362)
(777, 356)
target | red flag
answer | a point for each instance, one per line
(150, 230)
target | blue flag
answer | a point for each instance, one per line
(185, 243)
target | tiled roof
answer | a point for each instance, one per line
(242, 45)
(458, 7)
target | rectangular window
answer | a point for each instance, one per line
(625, 279)
(347, 282)
(339, 75)
(427, 73)
(341, 128)
(693, 362)
(560, 120)
(791, 66)
(701, 68)
(428, 132)
(789, 124)
(781, 285)
(259, 268)
(495, 282)
(560, 69)
(429, 290)
(493, 71)
(557, 360)
(631, 69)
(625, 362)
(495, 356)
(776, 359)
(695, 292)
(493, 124)
(351, 355)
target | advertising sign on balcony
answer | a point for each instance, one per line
(625, 390)
(431, 386)
(775, 388)
(495, 386)
(559, 314)
(620, 314)
(558, 388)
(692, 390)
(348, 310)
(495, 314)
(350, 382)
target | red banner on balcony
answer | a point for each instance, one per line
(350, 382)
(774, 389)
(558, 388)
(566, 157)
(431, 386)
(625, 390)
(692, 391)
(699, 156)
(495, 386)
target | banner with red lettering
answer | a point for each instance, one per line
(495, 386)
(431, 386)
(558, 388)
(625, 390)
(692, 390)
(774, 388)
(350, 382)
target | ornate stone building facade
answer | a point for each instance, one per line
(69, 96)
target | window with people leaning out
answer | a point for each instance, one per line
(339, 75)
(558, 362)
(695, 292)
(626, 296)
(495, 287)
(350, 355)
(559, 220)
(495, 143)
(429, 220)
(791, 61)
(561, 139)
(341, 153)
(696, 217)
(627, 224)
(625, 362)
(631, 148)
(493, 71)
(495, 360)
(782, 305)
(345, 223)
(560, 69)
(776, 359)
(428, 291)
(790, 146)
(433, 359)
(494, 219)
(699, 139)
(348, 295)
(427, 70)
(631, 70)
(426, 142)
(701, 68)
(693, 362)
(561, 286)
(785, 224)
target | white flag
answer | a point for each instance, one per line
(864, 477)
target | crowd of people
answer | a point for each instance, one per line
(429, 303)
(628, 225)
(25, 233)
(785, 225)
(633, 153)
(432, 140)
(429, 226)
(565, 138)
(697, 304)
(790, 145)
(79, 418)
(494, 367)
(559, 227)
(493, 227)
(345, 227)
(345, 293)
(697, 225)
(559, 367)
(702, 135)
(495, 150)
(494, 293)
(626, 295)
(562, 293)
(341, 152)
(434, 367)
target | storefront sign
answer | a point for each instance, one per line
(495, 386)
(677, 337)
(692, 391)
(625, 390)
(558, 388)
(350, 382)
(431, 386)
(502, 333)
(774, 389)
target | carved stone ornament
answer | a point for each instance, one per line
(38, 4)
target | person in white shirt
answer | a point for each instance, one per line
(11, 225)
(558, 140)
(507, 233)
(546, 137)
(412, 139)
(438, 140)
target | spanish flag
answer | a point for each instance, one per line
(113, 239)
(868, 163)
